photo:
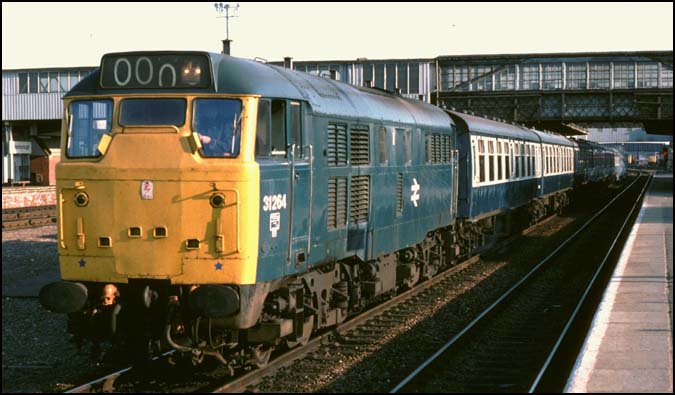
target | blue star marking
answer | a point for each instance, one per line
(219, 266)
(82, 262)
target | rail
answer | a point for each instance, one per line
(489, 311)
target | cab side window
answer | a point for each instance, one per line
(271, 129)
(296, 126)
(262, 137)
(278, 127)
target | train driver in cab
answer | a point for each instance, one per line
(218, 123)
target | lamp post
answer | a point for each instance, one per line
(226, 8)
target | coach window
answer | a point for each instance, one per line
(474, 158)
(567, 159)
(560, 168)
(507, 162)
(560, 160)
(519, 160)
(526, 160)
(557, 159)
(481, 160)
(500, 158)
(491, 160)
(522, 160)
(516, 152)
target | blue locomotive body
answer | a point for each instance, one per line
(372, 173)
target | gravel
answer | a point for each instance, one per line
(37, 355)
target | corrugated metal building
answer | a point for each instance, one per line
(31, 114)
(412, 78)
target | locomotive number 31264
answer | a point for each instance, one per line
(274, 202)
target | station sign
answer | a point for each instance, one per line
(20, 147)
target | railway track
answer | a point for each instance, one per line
(512, 345)
(27, 217)
(369, 331)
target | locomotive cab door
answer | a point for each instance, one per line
(285, 188)
(300, 156)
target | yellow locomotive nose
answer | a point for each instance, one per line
(156, 207)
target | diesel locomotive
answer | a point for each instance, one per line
(223, 206)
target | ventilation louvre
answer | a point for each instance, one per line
(359, 199)
(337, 202)
(336, 147)
(359, 149)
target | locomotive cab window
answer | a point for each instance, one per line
(218, 122)
(271, 129)
(143, 112)
(296, 128)
(88, 121)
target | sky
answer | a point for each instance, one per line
(36, 35)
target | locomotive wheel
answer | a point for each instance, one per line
(307, 329)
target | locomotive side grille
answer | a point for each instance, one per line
(399, 193)
(359, 199)
(436, 146)
(360, 154)
(336, 147)
(337, 202)
(448, 146)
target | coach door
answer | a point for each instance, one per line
(300, 190)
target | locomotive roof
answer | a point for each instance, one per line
(467, 123)
(247, 77)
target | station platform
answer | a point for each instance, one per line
(629, 347)
(28, 196)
